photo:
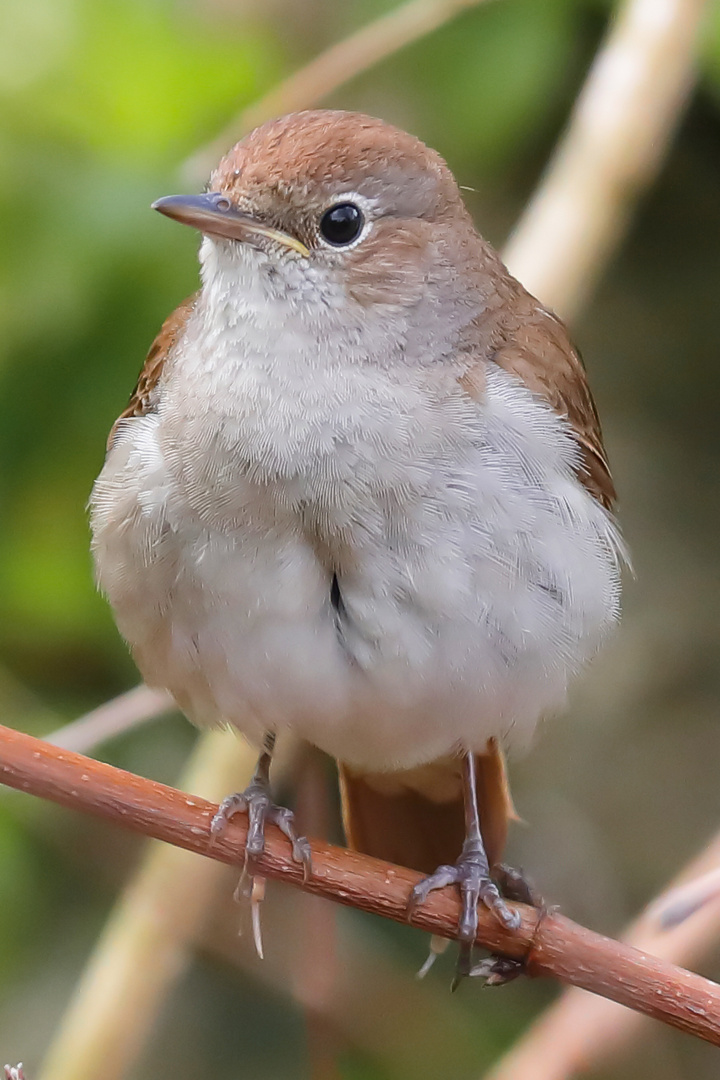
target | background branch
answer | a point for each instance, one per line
(325, 73)
(618, 133)
(122, 713)
(549, 943)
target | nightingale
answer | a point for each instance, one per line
(360, 494)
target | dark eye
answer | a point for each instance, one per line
(341, 224)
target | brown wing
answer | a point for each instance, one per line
(538, 350)
(142, 399)
(541, 354)
(416, 818)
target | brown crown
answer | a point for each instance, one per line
(325, 148)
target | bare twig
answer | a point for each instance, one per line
(581, 1029)
(331, 69)
(679, 903)
(619, 131)
(124, 712)
(548, 943)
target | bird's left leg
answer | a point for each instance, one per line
(257, 800)
(472, 873)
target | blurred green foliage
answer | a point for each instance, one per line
(100, 104)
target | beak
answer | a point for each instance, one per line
(215, 215)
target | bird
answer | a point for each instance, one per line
(360, 495)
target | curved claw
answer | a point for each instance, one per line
(257, 895)
(285, 821)
(497, 970)
(492, 899)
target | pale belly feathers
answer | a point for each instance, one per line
(390, 569)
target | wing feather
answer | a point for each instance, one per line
(530, 342)
(143, 397)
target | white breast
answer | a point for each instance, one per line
(476, 573)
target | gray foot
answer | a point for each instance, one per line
(476, 886)
(471, 873)
(257, 802)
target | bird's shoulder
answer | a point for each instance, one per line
(533, 344)
(142, 399)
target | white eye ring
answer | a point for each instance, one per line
(341, 224)
(353, 209)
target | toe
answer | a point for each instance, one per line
(233, 804)
(285, 821)
(468, 924)
(444, 875)
(497, 970)
(494, 901)
(515, 886)
(257, 814)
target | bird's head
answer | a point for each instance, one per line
(337, 207)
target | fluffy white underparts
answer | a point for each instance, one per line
(474, 572)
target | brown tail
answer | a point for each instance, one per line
(416, 818)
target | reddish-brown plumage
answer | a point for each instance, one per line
(142, 397)
(320, 148)
(417, 818)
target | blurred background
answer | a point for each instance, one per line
(102, 102)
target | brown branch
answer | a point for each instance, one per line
(333, 68)
(549, 943)
(579, 1029)
(152, 927)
